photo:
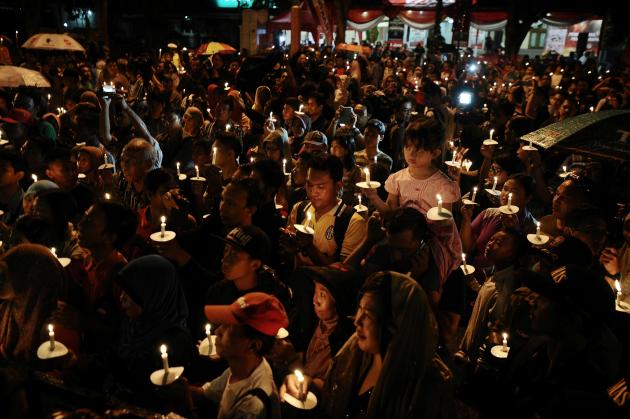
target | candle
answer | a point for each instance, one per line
(375, 159)
(467, 164)
(271, 116)
(16, 37)
(537, 230)
(49, 97)
(464, 263)
(227, 127)
(214, 158)
(474, 194)
(164, 358)
(367, 176)
(106, 157)
(107, 196)
(227, 86)
(51, 336)
(209, 336)
(505, 347)
(53, 250)
(251, 159)
(197, 170)
(531, 145)
(34, 176)
(300, 379)
(491, 133)
(177, 165)
(301, 107)
(439, 199)
(494, 184)
(160, 53)
(308, 219)
(359, 200)
(284, 166)
(618, 288)
(454, 155)
(509, 204)
(564, 169)
(162, 226)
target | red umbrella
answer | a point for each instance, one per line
(211, 48)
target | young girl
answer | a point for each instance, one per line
(418, 186)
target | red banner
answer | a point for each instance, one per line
(324, 20)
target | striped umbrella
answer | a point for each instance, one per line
(211, 48)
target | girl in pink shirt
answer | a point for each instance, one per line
(418, 186)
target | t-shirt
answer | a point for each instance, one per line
(231, 396)
(422, 195)
(381, 159)
(324, 237)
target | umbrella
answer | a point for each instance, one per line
(53, 42)
(11, 76)
(359, 49)
(210, 48)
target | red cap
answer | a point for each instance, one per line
(260, 311)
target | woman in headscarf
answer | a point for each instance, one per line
(31, 282)
(155, 311)
(388, 369)
(35, 190)
(89, 159)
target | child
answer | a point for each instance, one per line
(418, 186)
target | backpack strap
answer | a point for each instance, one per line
(302, 207)
(342, 220)
(260, 394)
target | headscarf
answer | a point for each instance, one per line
(151, 282)
(36, 278)
(405, 387)
(40, 186)
(96, 156)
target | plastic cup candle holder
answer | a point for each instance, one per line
(493, 191)
(163, 235)
(509, 209)
(490, 141)
(501, 351)
(467, 269)
(167, 374)
(51, 348)
(198, 178)
(453, 162)
(368, 184)
(564, 172)
(63, 261)
(439, 213)
(305, 228)
(180, 175)
(360, 207)
(538, 239)
(305, 400)
(530, 147)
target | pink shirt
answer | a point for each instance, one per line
(421, 195)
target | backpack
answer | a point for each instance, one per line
(342, 220)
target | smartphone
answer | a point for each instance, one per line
(347, 115)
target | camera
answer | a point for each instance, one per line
(107, 90)
(465, 99)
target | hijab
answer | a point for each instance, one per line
(151, 282)
(36, 278)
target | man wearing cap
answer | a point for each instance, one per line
(373, 134)
(315, 142)
(246, 332)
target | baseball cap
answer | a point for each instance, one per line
(376, 124)
(260, 311)
(316, 138)
(251, 240)
(278, 137)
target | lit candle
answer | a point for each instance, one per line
(467, 164)
(197, 170)
(359, 200)
(509, 204)
(474, 194)
(53, 250)
(454, 155)
(49, 97)
(160, 53)
(494, 184)
(251, 159)
(367, 176)
(271, 116)
(591, 109)
(301, 107)
(537, 230)
(227, 86)
(162, 226)
(300, 379)
(106, 157)
(439, 199)
(564, 169)
(209, 336)
(227, 127)
(51, 336)
(505, 347)
(177, 165)
(618, 288)
(464, 263)
(375, 159)
(284, 166)
(107, 196)
(34, 176)
(214, 158)
(491, 133)
(308, 219)
(164, 358)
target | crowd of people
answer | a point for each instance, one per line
(323, 225)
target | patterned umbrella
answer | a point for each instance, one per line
(53, 42)
(11, 76)
(210, 48)
(359, 49)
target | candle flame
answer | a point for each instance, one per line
(618, 285)
(299, 376)
(207, 328)
(163, 219)
(163, 349)
(505, 335)
(53, 251)
(439, 197)
(50, 328)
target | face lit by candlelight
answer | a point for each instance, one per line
(324, 303)
(367, 324)
(519, 195)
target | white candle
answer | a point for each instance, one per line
(439, 199)
(49, 97)
(375, 159)
(51, 336)
(505, 347)
(537, 230)
(509, 204)
(301, 107)
(164, 358)
(359, 199)
(618, 288)
(251, 160)
(564, 169)
(300, 379)
(491, 133)
(454, 155)
(531, 145)
(271, 116)
(227, 86)
(106, 157)
(367, 176)
(34, 176)
(53, 250)
(474, 194)
(209, 336)
(592, 109)
(464, 263)
(214, 158)
(107, 196)
(162, 226)
(284, 166)
(160, 53)
(308, 219)
(227, 127)
(467, 164)
(197, 171)
(494, 184)
(177, 165)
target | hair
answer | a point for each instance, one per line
(63, 208)
(15, 160)
(318, 98)
(503, 107)
(526, 181)
(265, 340)
(293, 102)
(141, 145)
(347, 143)
(521, 125)
(583, 219)
(227, 101)
(327, 163)
(157, 178)
(204, 143)
(379, 285)
(58, 155)
(426, 134)
(408, 218)
(270, 172)
(119, 220)
(230, 141)
(580, 188)
(250, 187)
(375, 123)
(521, 245)
(510, 164)
(33, 229)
